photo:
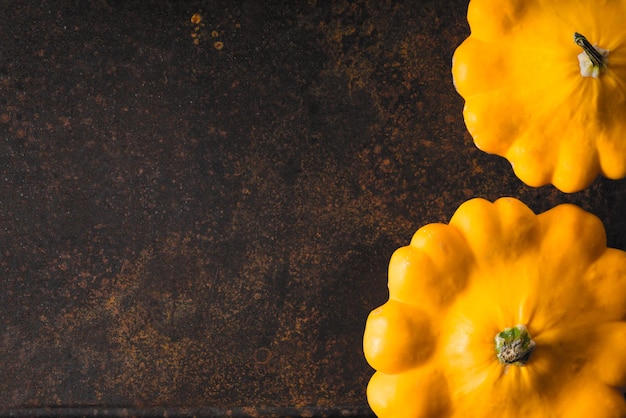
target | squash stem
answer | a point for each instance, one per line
(597, 56)
(514, 346)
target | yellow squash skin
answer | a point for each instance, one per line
(494, 266)
(525, 97)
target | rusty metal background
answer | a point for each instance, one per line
(196, 216)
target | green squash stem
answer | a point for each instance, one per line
(594, 60)
(514, 346)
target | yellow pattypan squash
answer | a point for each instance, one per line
(544, 84)
(502, 313)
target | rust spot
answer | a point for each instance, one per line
(262, 355)
(196, 18)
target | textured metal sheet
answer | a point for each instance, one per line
(197, 216)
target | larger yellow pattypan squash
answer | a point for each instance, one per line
(502, 313)
(544, 84)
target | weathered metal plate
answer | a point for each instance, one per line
(197, 215)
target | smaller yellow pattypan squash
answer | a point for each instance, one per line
(544, 84)
(502, 313)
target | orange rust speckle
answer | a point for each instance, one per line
(218, 45)
(215, 34)
(196, 18)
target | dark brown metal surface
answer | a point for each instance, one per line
(196, 218)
